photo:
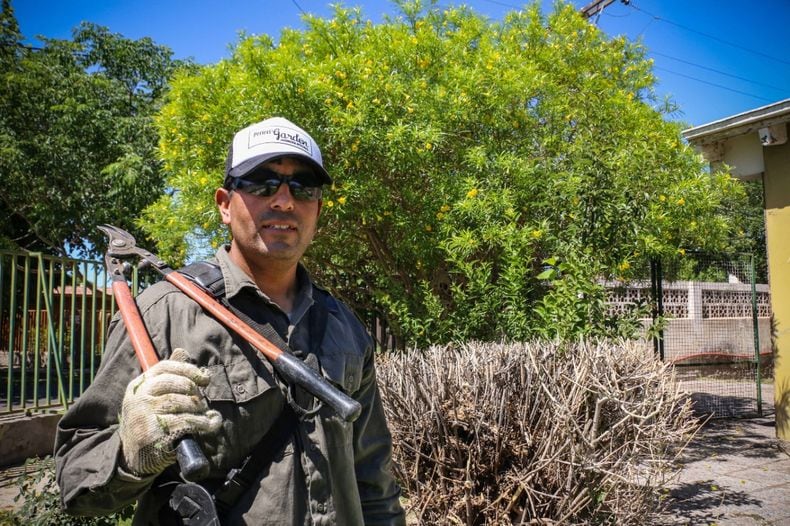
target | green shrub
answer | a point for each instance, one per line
(39, 497)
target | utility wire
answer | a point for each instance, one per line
(712, 37)
(713, 84)
(718, 71)
(299, 7)
(504, 4)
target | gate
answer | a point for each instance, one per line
(715, 328)
(53, 316)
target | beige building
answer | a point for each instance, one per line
(754, 144)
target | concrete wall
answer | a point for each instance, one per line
(23, 437)
(724, 336)
(706, 318)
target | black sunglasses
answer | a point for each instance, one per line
(265, 183)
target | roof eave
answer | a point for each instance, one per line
(741, 124)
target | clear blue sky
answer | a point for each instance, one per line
(715, 58)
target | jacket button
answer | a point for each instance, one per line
(350, 378)
(240, 388)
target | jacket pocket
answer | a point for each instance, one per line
(238, 382)
(343, 369)
(341, 356)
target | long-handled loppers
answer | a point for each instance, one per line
(191, 460)
(290, 368)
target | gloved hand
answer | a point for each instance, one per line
(159, 407)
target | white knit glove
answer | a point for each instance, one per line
(159, 407)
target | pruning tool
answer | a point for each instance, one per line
(191, 460)
(290, 368)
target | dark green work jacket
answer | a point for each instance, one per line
(330, 471)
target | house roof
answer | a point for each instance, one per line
(741, 124)
(739, 140)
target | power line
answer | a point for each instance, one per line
(718, 71)
(712, 37)
(504, 4)
(299, 7)
(714, 84)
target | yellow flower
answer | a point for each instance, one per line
(537, 234)
(439, 216)
(329, 203)
(445, 208)
(428, 228)
(341, 200)
(625, 265)
(681, 201)
(471, 194)
(682, 252)
(662, 198)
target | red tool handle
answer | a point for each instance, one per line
(138, 334)
(191, 460)
(227, 318)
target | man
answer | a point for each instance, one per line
(115, 445)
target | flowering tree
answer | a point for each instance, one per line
(486, 173)
(77, 138)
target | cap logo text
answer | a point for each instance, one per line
(280, 135)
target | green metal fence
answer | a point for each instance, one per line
(53, 317)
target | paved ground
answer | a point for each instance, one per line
(735, 473)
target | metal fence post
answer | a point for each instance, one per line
(756, 327)
(656, 279)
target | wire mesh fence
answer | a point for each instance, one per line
(716, 330)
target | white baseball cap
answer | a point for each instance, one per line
(270, 139)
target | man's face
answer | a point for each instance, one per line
(270, 231)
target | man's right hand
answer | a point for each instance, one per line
(160, 406)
